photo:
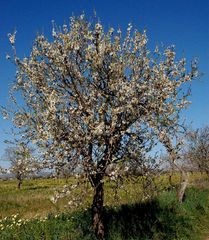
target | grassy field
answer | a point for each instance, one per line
(29, 214)
(33, 199)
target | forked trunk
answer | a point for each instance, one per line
(97, 209)
(182, 187)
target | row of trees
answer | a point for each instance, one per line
(92, 99)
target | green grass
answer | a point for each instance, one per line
(127, 217)
(33, 199)
(157, 219)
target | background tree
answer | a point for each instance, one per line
(176, 159)
(92, 96)
(198, 149)
(23, 163)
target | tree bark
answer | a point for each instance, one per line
(182, 187)
(170, 179)
(98, 208)
(19, 178)
(207, 172)
(19, 183)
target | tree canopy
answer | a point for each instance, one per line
(94, 97)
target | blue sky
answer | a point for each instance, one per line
(181, 22)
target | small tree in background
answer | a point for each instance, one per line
(176, 158)
(22, 161)
(97, 98)
(198, 149)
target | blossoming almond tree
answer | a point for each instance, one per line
(23, 163)
(92, 96)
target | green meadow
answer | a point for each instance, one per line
(29, 214)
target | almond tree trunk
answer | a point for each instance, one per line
(98, 208)
(19, 178)
(170, 179)
(19, 184)
(183, 186)
(207, 172)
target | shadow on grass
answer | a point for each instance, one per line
(157, 219)
(141, 221)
